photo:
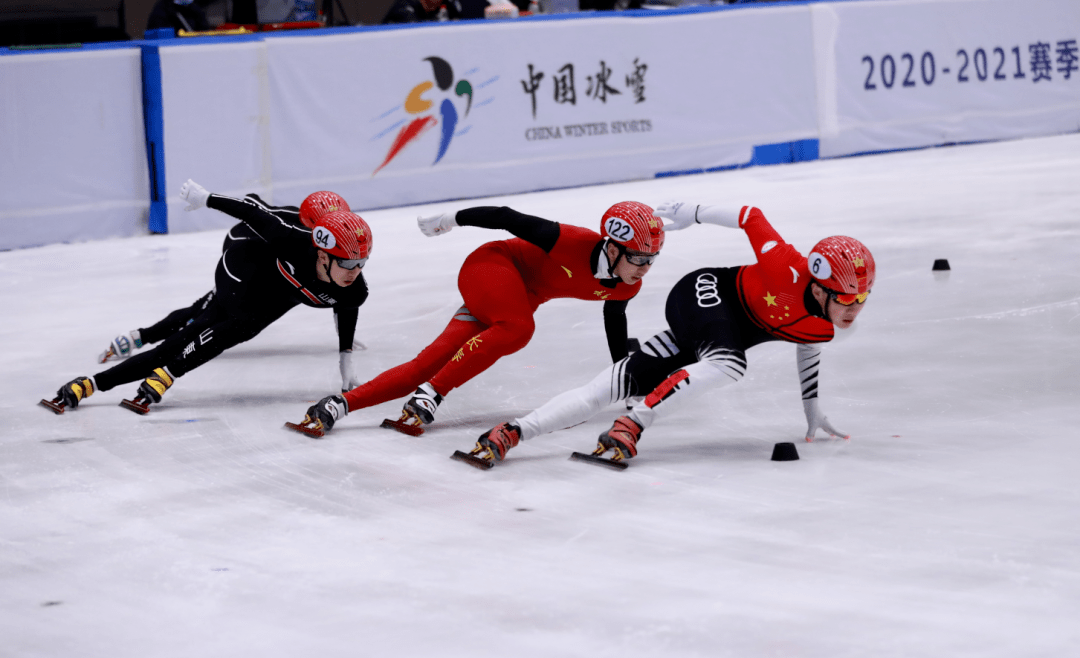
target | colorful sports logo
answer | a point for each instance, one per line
(418, 105)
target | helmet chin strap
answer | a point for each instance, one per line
(613, 265)
(824, 306)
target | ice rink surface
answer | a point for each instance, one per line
(949, 525)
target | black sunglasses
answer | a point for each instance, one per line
(639, 259)
(350, 264)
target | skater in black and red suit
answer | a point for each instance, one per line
(256, 282)
(714, 315)
(502, 284)
(314, 206)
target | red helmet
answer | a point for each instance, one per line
(633, 226)
(318, 204)
(343, 235)
(843, 265)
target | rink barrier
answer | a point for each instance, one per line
(802, 150)
(153, 116)
(862, 100)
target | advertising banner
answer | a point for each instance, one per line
(910, 73)
(72, 147)
(398, 117)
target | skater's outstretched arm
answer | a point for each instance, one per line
(615, 327)
(808, 359)
(252, 211)
(682, 214)
(345, 318)
(541, 232)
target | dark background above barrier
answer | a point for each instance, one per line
(88, 21)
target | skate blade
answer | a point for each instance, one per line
(141, 409)
(404, 428)
(472, 460)
(313, 432)
(56, 407)
(599, 461)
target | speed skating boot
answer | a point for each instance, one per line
(491, 447)
(70, 394)
(150, 391)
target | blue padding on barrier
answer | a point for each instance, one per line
(798, 151)
(804, 150)
(154, 120)
(765, 154)
(159, 33)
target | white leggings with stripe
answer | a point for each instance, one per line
(666, 376)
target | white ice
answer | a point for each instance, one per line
(946, 526)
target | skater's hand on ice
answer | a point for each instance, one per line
(329, 410)
(816, 420)
(437, 224)
(194, 194)
(349, 380)
(678, 214)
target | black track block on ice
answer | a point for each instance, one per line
(404, 428)
(56, 405)
(784, 452)
(599, 461)
(472, 460)
(941, 265)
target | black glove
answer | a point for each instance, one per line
(328, 411)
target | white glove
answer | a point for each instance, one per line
(194, 194)
(349, 380)
(678, 214)
(437, 224)
(816, 420)
(358, 346)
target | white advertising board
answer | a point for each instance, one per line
(910, 73)
(216, 107)
(406, 116)
(72, 147)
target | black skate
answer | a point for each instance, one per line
(622, 439)
(308, 426)
(69, 395)
(491, 447)
(121, 347)
(409, 423)
(480, 457)
(140, 404)
(616, 462)
(419, 410)
(150, 391)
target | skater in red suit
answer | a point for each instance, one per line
(714, 315)
(502, 283)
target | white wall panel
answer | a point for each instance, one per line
(72, 147)
(216, 122)
(911, 73)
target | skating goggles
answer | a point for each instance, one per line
(350, 264)
(847, 299)
(639, 259)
